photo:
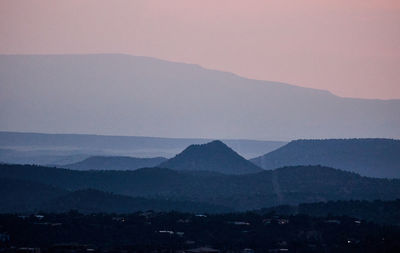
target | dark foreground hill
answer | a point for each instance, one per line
(23, 196)
(290, 185)
(214, 156)
(94, 201)
(115, 163)
(367, 157)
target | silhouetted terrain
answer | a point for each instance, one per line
(57, 149)
(94, 201)
(115, 163)
(23, 196)
(214, 156)
(161, 98)
(367, 157)
(290, 185)
(47, 156)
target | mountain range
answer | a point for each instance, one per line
(115, 163)
(289, 185)
(207, 177)
(131, 95)
(367, 157)
(62, 149)
(23, 196)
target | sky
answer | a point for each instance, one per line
(349, 47)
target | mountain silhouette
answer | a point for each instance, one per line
(62, 149)
(115, 163)
(27, 196)
(367, 157)
(288, 185)
(18, 195)
(214, 156)
(92, 201)
(114, 92)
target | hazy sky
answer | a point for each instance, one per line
(349, 47)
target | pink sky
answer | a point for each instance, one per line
(351, 48)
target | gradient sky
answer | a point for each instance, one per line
(349, 47)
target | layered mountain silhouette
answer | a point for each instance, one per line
(25, 196)
(367, 157)
(92, 201)
(289, 185)
(32, 155)
(214, 156)
(21, 195)
(62, 149)
(115, 163)
(161, 98)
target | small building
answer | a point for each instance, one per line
(202, 250)
(247, 250)
(240, 223)
(28, 250)
(201, 215)
(282, 221)
(119, 219)
(166, 232)
(39, 216)
(333, 221)
(278, 250)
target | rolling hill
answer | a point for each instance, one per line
(115, 163)
(214, 156)
(24, 196)
(289, 185)
(367, 157)
(21, 195)
(94, 201)
(149, 94)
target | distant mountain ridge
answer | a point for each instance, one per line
(367, 157)
(214, 156)
(115, 163)
(43, 149)
(289, 185)
(150, 94)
